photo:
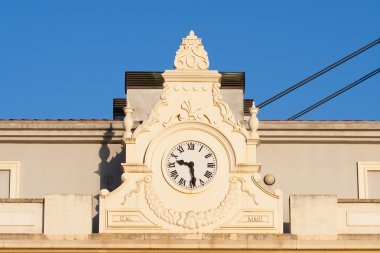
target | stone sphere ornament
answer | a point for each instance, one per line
(269, 179)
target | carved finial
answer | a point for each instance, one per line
(253, 121)
(128, 120)
(191, 54)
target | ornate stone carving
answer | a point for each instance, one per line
(253, 121)
(191, 54)
(225, 111)
(128, 120)
(154, 115)
(190, 111)
(256, 179)
(136, 190)
(191, 219)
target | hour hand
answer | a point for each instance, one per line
(181, 162)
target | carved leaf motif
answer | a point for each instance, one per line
(190, 110)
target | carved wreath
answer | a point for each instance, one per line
(191, 219)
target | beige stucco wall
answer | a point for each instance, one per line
(64, 157)
(317, 157)
(317, 168)
(62, 168)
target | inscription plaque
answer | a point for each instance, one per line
(252, 219)
(128, 219)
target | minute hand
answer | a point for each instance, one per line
(193, 179)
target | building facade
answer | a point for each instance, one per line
(55, 175)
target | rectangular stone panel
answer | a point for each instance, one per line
(21, 217)
(68, 214)
(363, 218)
(313, 215)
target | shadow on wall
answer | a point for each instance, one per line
(109, 170)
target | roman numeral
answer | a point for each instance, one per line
(210, 165)
(200, 149)
(208, 174)
(208, 155)
(171, 165)
(182, 182)
(190, 146)
(173, 155)
(180, 149)
(201, 182)
(174, 174)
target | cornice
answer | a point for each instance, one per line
(111, 131)
(61, 131)
(216, 242)
(320, 132)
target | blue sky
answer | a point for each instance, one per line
(66, 59)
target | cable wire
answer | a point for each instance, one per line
(335, 94)
(319, 73)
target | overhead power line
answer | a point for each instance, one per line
(337, 93)
(319, 73)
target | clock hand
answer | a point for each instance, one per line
(193, 179)
(181, 162)
(191, 168)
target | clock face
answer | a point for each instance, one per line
(191, 165)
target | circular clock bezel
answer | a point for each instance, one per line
(173, 184)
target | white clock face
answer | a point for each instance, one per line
(191, 165)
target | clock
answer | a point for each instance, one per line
(190, 166)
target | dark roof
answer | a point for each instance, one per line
(154, 80)
(247, 105)
(118, 105)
